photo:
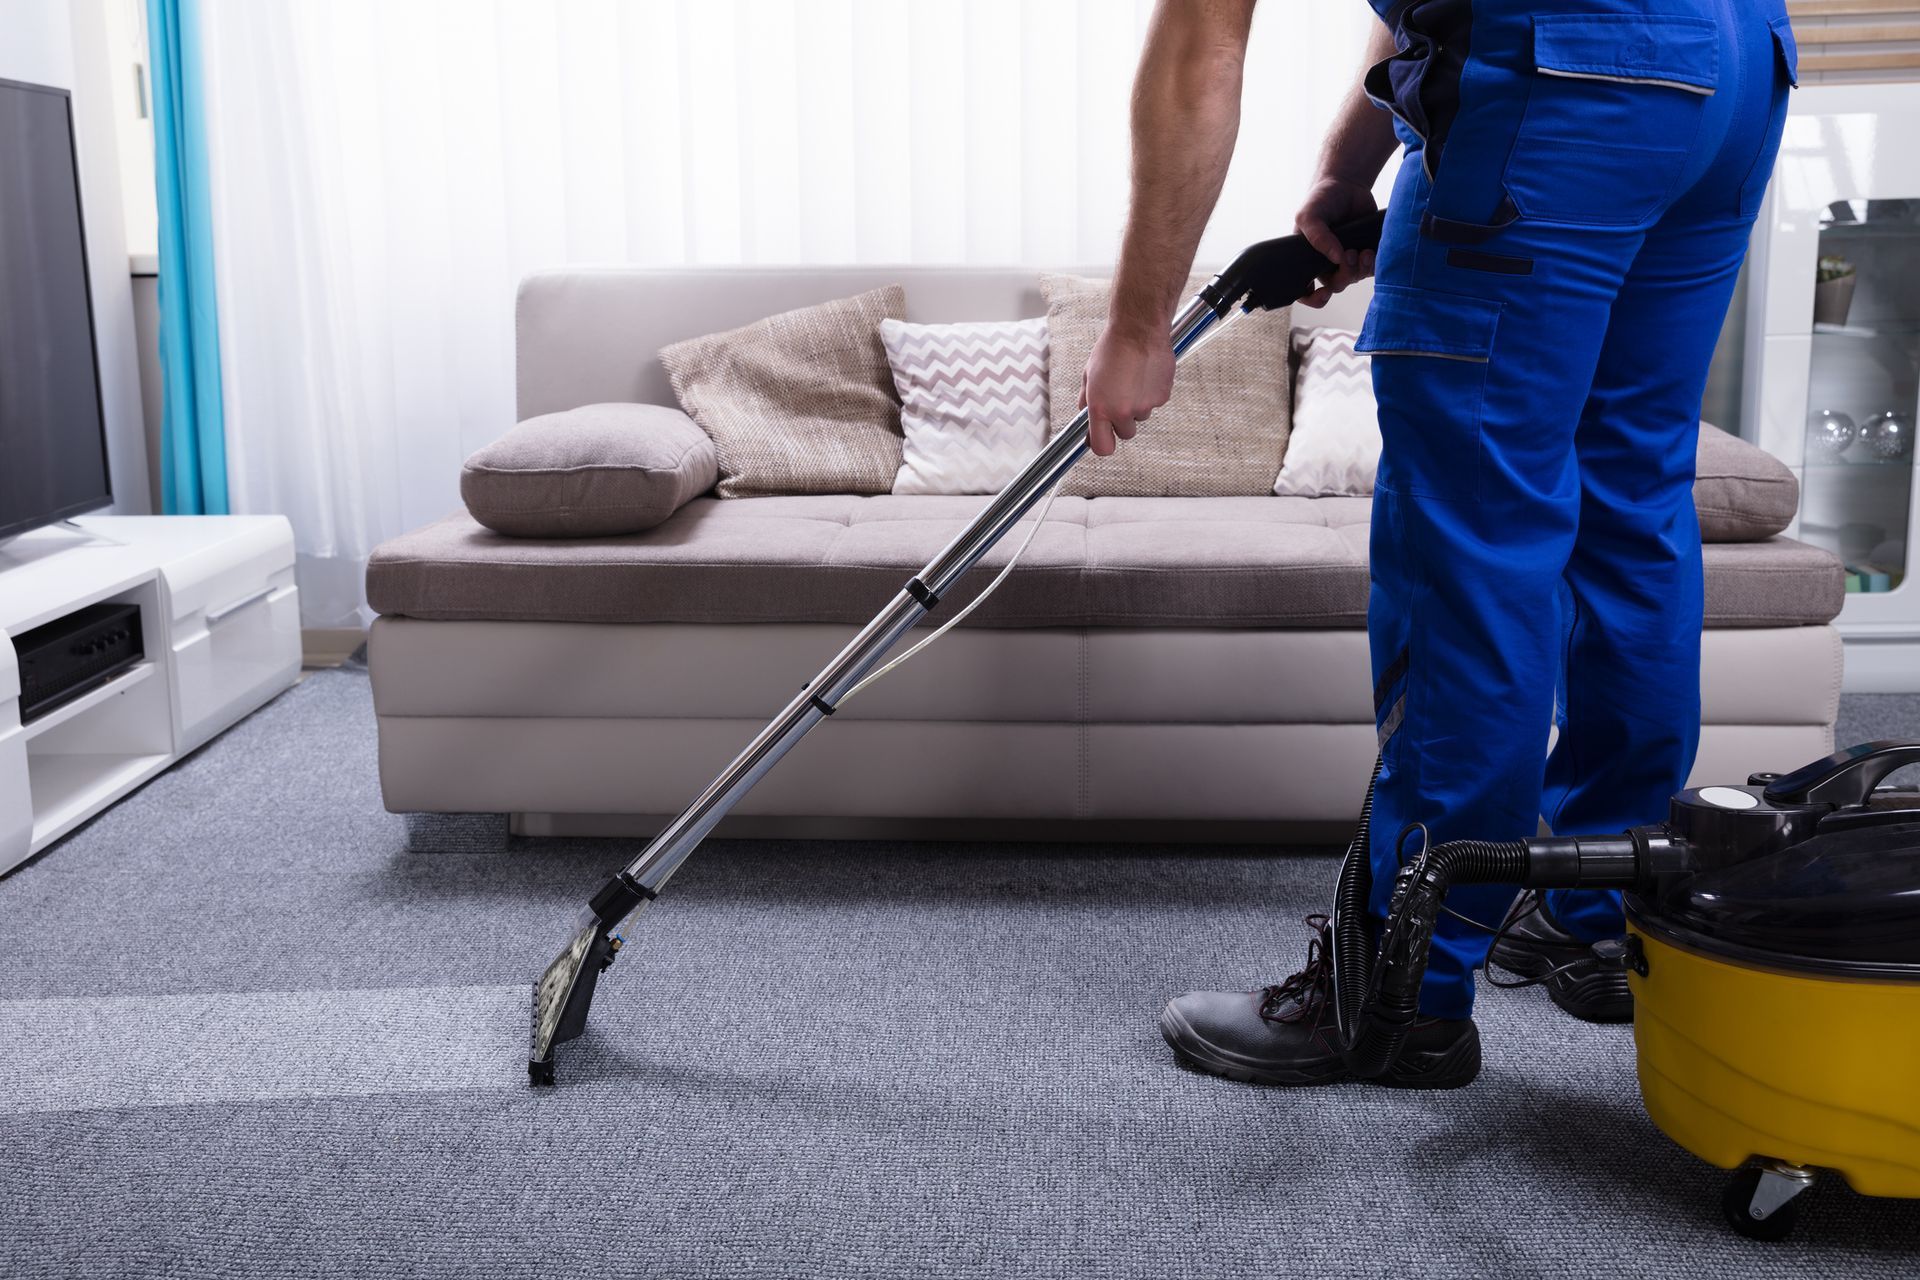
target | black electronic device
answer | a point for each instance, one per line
(63, 659)
(53, 451)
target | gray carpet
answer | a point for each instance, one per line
(253, 1025)
(1869, 717)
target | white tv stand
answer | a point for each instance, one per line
(220, 622)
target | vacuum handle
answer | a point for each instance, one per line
(1847, 777)
(1278, 273)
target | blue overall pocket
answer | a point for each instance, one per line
(1786, 50)
(1612, 112)
(1430, 352)
(1786, 62)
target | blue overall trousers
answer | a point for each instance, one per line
(1560, 249)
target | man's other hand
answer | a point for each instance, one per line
(1126, 379)
(1331, 203)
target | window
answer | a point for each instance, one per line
(133, 129)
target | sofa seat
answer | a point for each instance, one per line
(1258, 562)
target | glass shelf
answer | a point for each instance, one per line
(1877, 329)
(1868, 230)
(1865, 464)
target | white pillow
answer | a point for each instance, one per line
(973, 401)
(1335, 445)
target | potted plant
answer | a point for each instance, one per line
(1833, 291)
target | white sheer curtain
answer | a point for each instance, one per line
(384, 172)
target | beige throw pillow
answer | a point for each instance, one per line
(595, 471)
(1222, 435)
(801, 402)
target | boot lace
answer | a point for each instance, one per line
(1308, 994)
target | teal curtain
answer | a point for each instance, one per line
(193, 439)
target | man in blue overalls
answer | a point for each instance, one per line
(1579, 182)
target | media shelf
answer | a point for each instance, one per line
(220, 623)
(113, 690)
(96, 748)
(67, 790)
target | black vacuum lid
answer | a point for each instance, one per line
(1844, 901)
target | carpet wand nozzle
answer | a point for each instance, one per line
(565, 992)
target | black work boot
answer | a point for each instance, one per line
(1286, 1034)
(1533, 945)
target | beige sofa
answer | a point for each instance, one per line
(1154, 667)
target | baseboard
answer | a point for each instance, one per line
(329, 646)
(1882, 665)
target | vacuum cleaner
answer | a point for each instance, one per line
(1793, 896)
(1791, 903)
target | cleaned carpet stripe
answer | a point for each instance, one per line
(85, 1054)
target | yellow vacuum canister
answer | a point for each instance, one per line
(1777, 1014)
(1773, 951)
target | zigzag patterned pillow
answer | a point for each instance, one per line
(973, 401)
(1335, 446)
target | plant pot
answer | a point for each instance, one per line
(1832, 299)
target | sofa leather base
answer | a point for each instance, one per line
(1722, 748)
(1181, 726)
(931, 771)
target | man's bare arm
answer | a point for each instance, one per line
(1186, 115)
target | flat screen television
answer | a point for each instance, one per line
(53, 448)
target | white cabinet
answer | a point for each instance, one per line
(220, 630)
(233, 623)
(1833, 355)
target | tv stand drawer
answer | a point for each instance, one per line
(226, 656)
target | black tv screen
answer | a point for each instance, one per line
(53, 450)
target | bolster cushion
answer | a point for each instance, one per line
(1742, 492)
(589, 472)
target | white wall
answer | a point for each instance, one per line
(63, 43)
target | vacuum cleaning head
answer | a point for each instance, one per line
(564, 993)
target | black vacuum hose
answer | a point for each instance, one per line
(1392, 998)
(1376, 983)
(1352, 940)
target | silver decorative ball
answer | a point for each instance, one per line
(1829, 432)
(1888, 435)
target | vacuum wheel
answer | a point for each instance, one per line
(1737, 1204)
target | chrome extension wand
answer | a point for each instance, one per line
(1268, 275)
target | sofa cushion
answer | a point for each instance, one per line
(801, 402)
(1114, 562)
(973, 401)
(1742, 492)
(588, 472)
(1225, 429)
(1333, 447)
